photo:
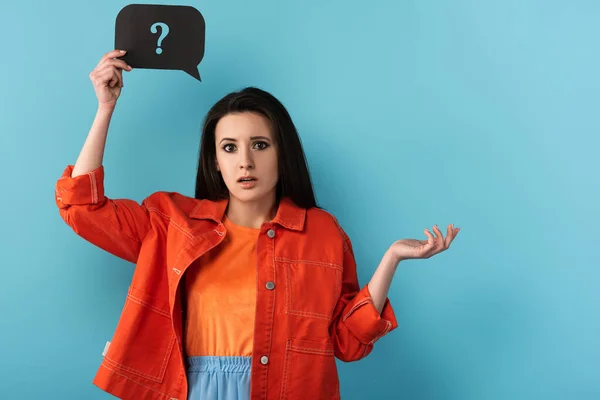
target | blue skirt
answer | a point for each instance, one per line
(218, 378)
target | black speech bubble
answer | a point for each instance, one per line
(181, 49)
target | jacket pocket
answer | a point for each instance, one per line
(144, 338)
(309, 371)
(312, 287)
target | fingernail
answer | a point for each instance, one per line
(122, 51)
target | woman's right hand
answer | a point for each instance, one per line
(107, 78)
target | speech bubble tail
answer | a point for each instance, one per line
(193, 72)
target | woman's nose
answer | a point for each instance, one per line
(246, 160)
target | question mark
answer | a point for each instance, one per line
(163, 33)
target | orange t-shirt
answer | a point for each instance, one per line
(221, 296)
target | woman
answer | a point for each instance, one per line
(247, 290)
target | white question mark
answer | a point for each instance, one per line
(163, 34)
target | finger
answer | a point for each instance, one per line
(430, 249)
(114, 80)
(430, 238)
(115, 77)
(102, 77)
(118, 73)
(113, 62)
(449, 237)
(112, 54)
(106, 77)
(116, 63)
(439, 239)
(108, 60)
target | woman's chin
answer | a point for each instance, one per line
(249, 195)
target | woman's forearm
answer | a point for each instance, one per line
(382, 279)
(92, 153)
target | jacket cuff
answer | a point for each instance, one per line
(363, 320)
(83, 189)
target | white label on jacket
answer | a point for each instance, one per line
(106, 346)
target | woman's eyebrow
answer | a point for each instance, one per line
(252, 138)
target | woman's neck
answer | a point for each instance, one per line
(251, 214)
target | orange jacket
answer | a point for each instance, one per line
(309, 305)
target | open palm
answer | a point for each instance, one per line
(406, 249)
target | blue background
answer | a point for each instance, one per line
(478, 113)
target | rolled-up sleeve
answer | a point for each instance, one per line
(115, 225)
(357, 325)
(86, 189)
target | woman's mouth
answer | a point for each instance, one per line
(247, 183)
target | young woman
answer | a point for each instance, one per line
(248, 290)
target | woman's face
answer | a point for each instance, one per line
(245, 146)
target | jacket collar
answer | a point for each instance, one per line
(289, 215)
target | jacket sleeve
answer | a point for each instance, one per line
(117, 226)
(357, 325)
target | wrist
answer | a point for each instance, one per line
(392, 258)
(106, 109)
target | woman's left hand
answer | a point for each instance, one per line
(406, 249)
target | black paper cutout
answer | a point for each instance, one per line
(161, 37)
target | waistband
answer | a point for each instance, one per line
(219, 364)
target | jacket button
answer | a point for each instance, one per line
(270, 285)
(271, 233)
(264, 360)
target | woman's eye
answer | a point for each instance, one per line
(261, 146)
(263, 143)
